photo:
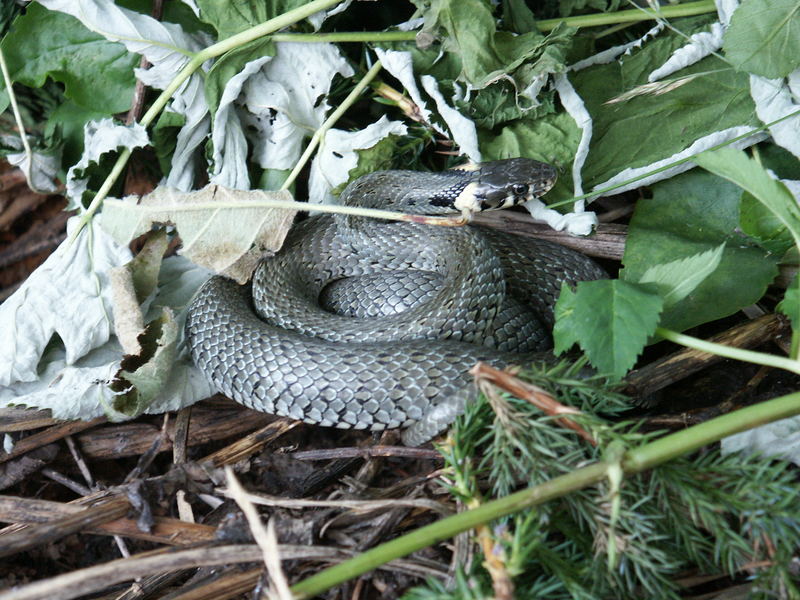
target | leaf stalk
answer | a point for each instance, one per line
(751, 356)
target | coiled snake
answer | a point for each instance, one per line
(408, 308)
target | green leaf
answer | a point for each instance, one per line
(517, 16)
(735, 166)
(467, 29)
(97, 74)
(677, 279)
(690, 214)
(610, 319)
(764, 37)
(648, 128)
(761, 224)
(229, 18)
(498, 104)
(567, 7)
(164, 137)
(378, 157)
(66, 123)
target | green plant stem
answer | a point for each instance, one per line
(620, 18)
(633, 461)
(449, 527)
(12, 98)
(218, 49)
(693, 438)
(319, 134)
(680, 161)
(687, 9)
(758, 358)
(347, 36)
(374, 213)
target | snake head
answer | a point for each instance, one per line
(503, 183)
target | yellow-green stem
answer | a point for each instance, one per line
(319, 134)
(758, 358)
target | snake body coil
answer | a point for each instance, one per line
(409, 308)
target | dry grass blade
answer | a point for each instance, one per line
(265, 538)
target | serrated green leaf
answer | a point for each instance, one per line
(649, 128)
(689, 214)
(610, 319)
(735, 166)
(97, 74)
(677, 279)
(467, 29)
(764, 37)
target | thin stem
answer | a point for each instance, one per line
(23, 135)
(347, 36)
(450, 220)
(630, 16)
(248, 35)
(634, 461)
(688, 440)
(758, 358)
(319, 134)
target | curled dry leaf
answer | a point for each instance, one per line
(227, 231)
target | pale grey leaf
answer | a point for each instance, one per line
(40, 170)
(227, 231)
(780, 439)
(100, 137)
(337, 156)
(774, 100)
(67, 296)
(230, 145)
(286, 100)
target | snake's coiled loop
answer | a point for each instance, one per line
(484, 296)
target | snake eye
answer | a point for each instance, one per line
(519, 189)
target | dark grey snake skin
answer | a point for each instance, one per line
(366, 363)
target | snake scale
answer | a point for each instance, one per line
(407, 308)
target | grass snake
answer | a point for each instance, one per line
(407, 309)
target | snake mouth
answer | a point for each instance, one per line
(501, 184)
